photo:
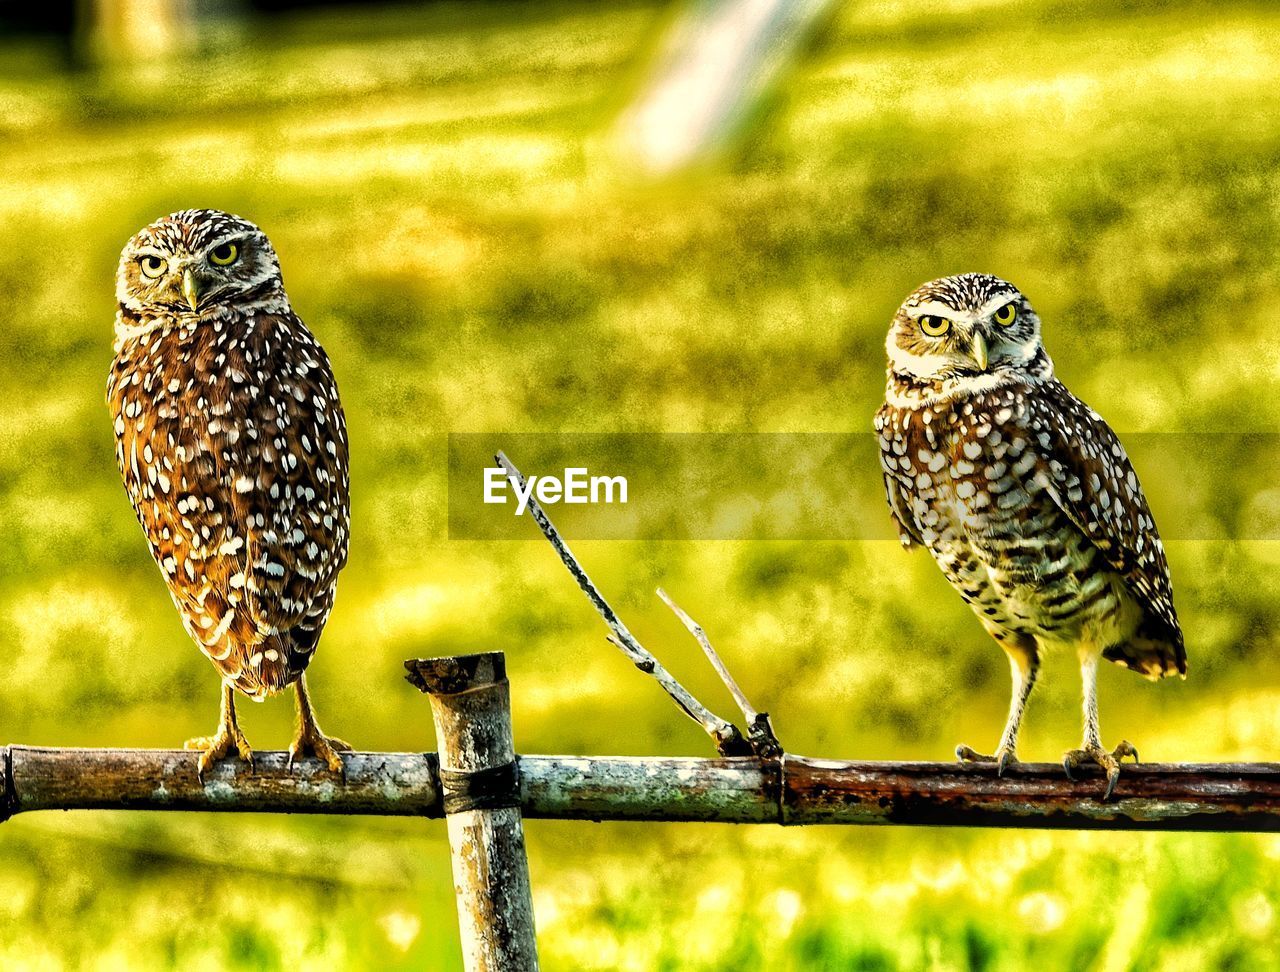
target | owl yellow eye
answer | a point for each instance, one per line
(152, 266)
(224, 254)
(934, 326)
(1006, 315)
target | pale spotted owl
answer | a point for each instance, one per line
(1024, 497)
(233, 448)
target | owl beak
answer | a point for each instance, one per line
(980, 350)
(190, 289)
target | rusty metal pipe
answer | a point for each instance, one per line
(791, 790)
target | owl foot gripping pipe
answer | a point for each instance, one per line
(226, 738)
(232, 444)
(309, 738)
(1024, 497)
(1109, 761)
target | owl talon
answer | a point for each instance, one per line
(1113, 777)
(1003, 758)
(1108, 761)
(1126, 748)
(310, 739)
(218, 746)
(1006, 760)
(323, 747)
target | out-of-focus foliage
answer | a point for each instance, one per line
(453, 227)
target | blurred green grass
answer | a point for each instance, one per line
(453, 227)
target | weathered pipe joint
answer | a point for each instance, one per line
(8, 796)
(487, 789)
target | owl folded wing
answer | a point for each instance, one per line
(168, 465)
(289, 484)
(1085, 469)
(899, 504)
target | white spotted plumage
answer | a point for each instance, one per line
(1021, 492)
(215, 385)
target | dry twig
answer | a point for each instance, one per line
(760, 734)
(727, 737)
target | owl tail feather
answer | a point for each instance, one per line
(265, 669)
(1152, 654)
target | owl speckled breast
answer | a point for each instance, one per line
(966, 475)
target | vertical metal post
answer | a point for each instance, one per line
(471, 707)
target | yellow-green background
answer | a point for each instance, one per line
(454, 228)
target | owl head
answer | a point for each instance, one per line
(194, 260)
(972, 329)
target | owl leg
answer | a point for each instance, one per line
(1091, 751)
(215, 747)
(1024, 664)
(309, 738)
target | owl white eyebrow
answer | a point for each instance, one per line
(946, 310)
(935, 307)
(993, 304)
(238, 239)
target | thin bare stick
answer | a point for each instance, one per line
(713, 656)
(727, 737)
(764, 742)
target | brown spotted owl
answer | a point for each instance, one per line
(1024, 497)
(232, 444)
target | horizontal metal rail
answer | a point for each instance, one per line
(790, 790)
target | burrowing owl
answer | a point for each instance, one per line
(1024, 496)
(233, 448)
